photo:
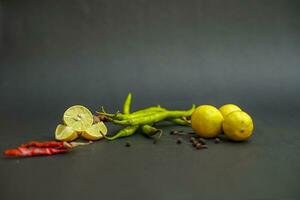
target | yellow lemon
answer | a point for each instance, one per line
(238, 126)
(207, 121)
(228, 108)
(94, 131)
(65, 133)
(78, 117)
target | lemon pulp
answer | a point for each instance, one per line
(78, 117)
(95, 131)
(65, 133)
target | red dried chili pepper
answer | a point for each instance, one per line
(35, 148)
(34, 151)
(49, 144)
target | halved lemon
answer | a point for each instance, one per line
(78, 117)
(65, 133)
(94, 131)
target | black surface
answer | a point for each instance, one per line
(173, 53)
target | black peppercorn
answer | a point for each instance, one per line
(179, 140)
(199, 146)
(202, 140)
(174, 132)
(192, 139)
(217, 140)
(195, 143)
(128, 144)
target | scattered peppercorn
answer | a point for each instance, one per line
(202, 140)
(174, 132)
(195, 143)
(217, 140)
(179, 140)
(177, 132)
(192, 139)
(128, 144)
(199, 146)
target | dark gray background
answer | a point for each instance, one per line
(58, 53)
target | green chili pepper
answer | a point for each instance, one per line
(156, 117)
(180, 121)
(149, 130)
(134, 115)
(149, 109)
(139, 113)
(125, 132)
(127, 104)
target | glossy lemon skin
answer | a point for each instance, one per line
(238, 126)
(207, 121)
(228, 108)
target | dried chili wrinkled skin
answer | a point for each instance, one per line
(34, 151)
(35, 148)
(53, 144)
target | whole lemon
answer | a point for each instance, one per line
(238, 126)
(228, 108)
(207, 121)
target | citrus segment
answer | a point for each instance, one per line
(78, 117)
(65, 133)
(94, 131)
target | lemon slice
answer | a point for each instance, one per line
(65, 133)
(94, 131)
(78, 117)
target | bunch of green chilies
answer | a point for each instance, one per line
(145, 119)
